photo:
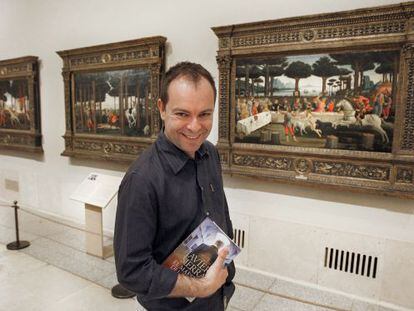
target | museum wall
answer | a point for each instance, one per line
(287, 226)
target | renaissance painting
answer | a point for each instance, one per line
(14, 104)
(325, 99)
(116, 102)
(110, 98)
(20, 126)
(334, 101)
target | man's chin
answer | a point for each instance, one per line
(190, 149)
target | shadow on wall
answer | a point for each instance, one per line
(322, 193)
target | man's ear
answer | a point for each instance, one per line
(161, 108)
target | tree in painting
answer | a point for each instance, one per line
(386, 66)
(91, 89)
(276, 67)
(325, 69)
(298, 70)
(359, 62)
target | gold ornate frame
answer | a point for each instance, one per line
(386, 27)
(145, 54)
(30, 138)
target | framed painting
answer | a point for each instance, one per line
(323, 100)
(110, 98)
(20, 105)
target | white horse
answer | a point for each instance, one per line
(303, 124)
(374, 121)
(349, 119)
(348, 110)
(146, 130)
(131, 116)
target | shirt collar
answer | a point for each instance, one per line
(176, 158)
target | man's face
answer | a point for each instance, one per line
(188, 115)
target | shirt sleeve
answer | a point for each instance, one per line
(135, 229)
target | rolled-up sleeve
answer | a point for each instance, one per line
(135, 230)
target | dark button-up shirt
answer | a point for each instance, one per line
(163, 197)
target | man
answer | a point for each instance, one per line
(362, 103)
(275, 105)
(166, 193)
(288, 124)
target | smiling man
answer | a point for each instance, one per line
(188, 117)
(166, 194)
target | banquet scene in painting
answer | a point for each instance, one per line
(14, 105)
(333, 101)
(113, 102)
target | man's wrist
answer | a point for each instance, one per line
(198, 287)
(190, 287)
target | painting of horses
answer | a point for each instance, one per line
(333, 100)
(115, 102)
(14, 104)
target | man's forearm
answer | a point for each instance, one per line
(188, 287)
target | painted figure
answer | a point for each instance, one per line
(288, 125)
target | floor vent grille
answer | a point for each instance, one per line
(351, 262)
(239, 237)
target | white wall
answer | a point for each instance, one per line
(306, 218)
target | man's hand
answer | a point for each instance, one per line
(215, 277)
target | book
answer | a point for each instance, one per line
(200, 249)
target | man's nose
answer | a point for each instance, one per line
(194, 124)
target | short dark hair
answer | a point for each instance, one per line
(191, 71)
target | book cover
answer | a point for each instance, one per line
(200, 249)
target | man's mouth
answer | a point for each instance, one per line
(192, 137)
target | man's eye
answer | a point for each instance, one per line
(181, 114)
(205, 114)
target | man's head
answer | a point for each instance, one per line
(186, 105)
(192, 71)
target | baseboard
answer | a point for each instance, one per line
(307, 292)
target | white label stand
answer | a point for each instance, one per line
(94, 233)
(96, 191)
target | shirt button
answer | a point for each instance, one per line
(202, 188)
(208, 213)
